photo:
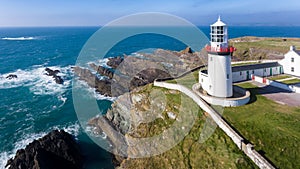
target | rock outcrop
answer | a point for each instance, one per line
(102, 86)
(114, 62)
(102, 70)
(57, 149)
(11, 76)
(54, 73)
(187, 50)
(131, 72)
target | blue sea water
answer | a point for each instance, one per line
(32, 104)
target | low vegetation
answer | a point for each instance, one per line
(291, 81)
(217, 152)
(258, 48)
(271, 127)
(279, 77)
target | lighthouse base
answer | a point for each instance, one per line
(239, 98)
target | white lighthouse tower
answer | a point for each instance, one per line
(218, 80)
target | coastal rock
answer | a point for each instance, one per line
(131, 72)
(57, 149)
(11, 76)
(187, 50)
(114, 62)
(102, 70)
(54, 73)
(101, 86)
(51, 72)
(58, 80)
(148, 76)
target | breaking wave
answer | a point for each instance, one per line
(37, 80)
(19, 38)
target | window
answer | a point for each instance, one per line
(227, 76)
(211, 59)
(265, 70)
(241, 73)
(292, 69)
(292, 59)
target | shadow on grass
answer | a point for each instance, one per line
(263, 154)
(253, 94)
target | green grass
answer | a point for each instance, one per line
(271, 127)
(188, 81)
(292, 81)
(217, 152)
(279, 77)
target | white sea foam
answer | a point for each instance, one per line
(73, 129)
(37, 81)
(103, 62)
(20, 38)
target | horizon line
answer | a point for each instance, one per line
(57, 26)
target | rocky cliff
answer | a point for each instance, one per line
(57, 149)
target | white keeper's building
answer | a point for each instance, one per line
(291, 62)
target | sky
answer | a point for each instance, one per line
(19, 13)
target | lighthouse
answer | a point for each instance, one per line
(218, 80)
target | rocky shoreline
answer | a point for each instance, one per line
(125, 74)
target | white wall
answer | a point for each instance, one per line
(204, 81)
(291, 88)
(288, 64)
(219, 66)
(242, 76)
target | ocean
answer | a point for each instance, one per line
(33, 104)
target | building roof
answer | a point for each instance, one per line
(293, 49)
(254, 66)
(298, 52)
(219, 23)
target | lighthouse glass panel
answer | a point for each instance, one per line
(220, 29)
(213, 30)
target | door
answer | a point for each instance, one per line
(280, 70)
(248, 75)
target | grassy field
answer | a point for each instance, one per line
(292, 81)
(271, 127)
(255, 48)
(217, 152)
(279, 77)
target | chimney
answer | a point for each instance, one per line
(293, 48)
